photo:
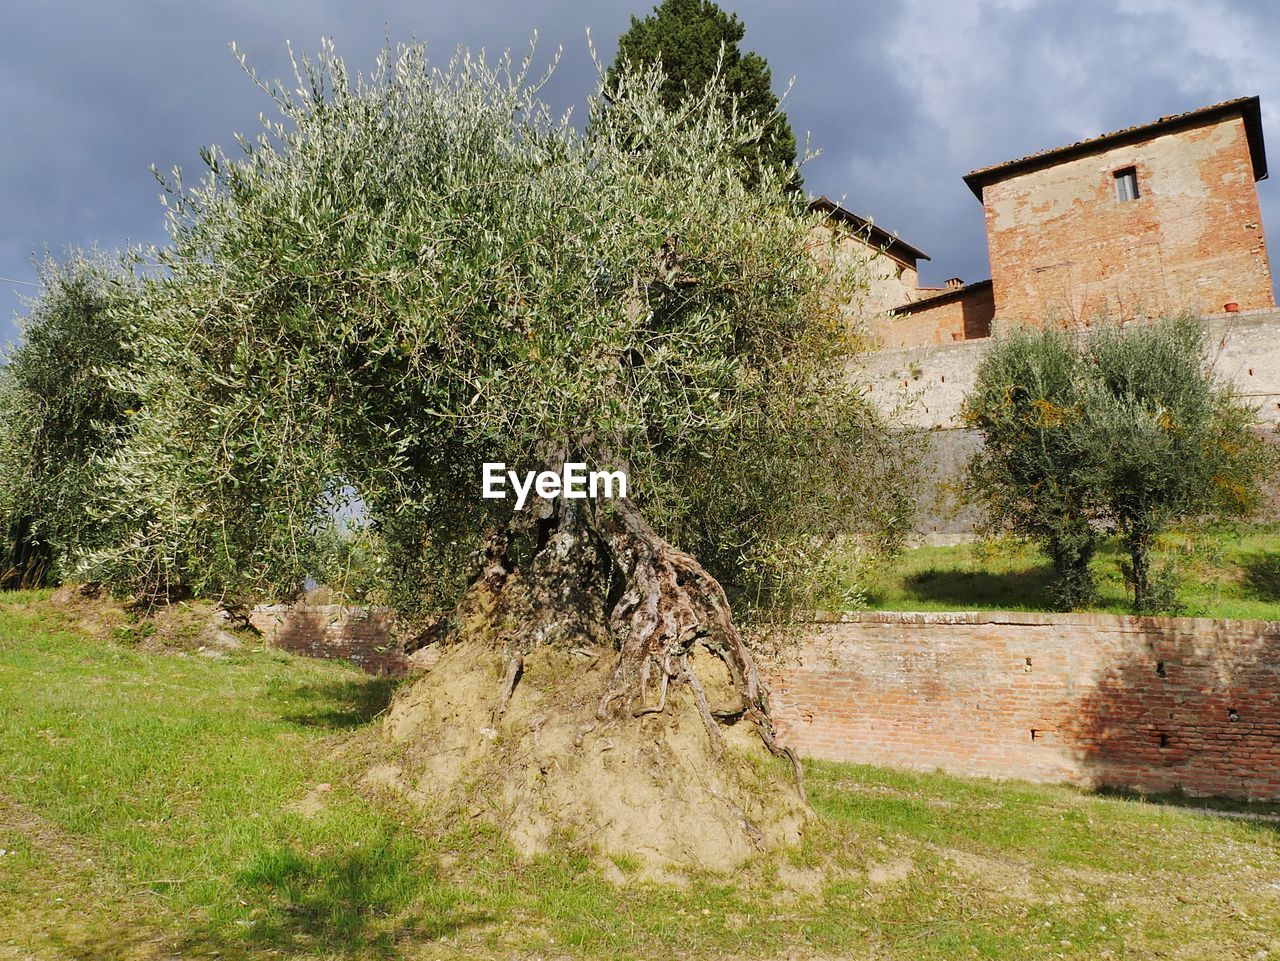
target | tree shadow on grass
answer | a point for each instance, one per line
(1264, 813)
(1258, 815)
(1262, 575)
(970, 590)
(112, 941)
(365, 903)
(340, 705)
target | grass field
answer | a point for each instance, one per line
(1223, 572)
(163, 805)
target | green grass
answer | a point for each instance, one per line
(154, 805)
(1223, 572)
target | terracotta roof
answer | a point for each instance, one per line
(889, 243)
(1249, 107)
(945, 296)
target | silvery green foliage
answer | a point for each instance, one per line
(1171, 442)
(58, 412)
(415, 271)
(1121, 429)
(1036, 473)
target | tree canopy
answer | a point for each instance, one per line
(59, 411)
(696, 41)
(1170, 442)
(1032, 473)
(416, 271)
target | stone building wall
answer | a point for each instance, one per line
(1061, 244)
(1148, 704)
(886, 281)
(925, 387)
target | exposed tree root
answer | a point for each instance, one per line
(670, 604)
(514, 668)
(590, 579)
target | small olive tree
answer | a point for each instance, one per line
(1035, 473)
(1124, 429)
(1170, 442)
(59, 411)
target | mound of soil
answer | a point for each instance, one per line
(183, 627)
(519, 743)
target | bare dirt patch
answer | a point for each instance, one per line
(539, 764)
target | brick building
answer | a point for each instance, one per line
(1134, 223)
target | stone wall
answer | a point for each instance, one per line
(1062, 245)
(925, 387)
(1148, 704)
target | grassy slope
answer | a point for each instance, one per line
(1223, 572)
(155, 804)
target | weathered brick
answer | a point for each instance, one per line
(952, 691)
(1093, 697)
(1063, 246)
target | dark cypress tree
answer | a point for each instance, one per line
(686, 35)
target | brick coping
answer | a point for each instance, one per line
(1190, 625)
(1122, 622)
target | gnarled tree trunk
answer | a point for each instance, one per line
(651, 681)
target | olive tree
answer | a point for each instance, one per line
(1121, 429)
(1034, 472)
(1171, 442)
(413, 273)
(59, 411)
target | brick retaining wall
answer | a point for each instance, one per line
(1141, 703)
(1151, 704)
(360, 635)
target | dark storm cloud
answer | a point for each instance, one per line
(902, 98)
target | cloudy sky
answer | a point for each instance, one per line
(902, 98)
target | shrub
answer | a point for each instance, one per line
(1169, 442)
(1033, 473)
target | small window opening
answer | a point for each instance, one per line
(1126, 184)
(1035, 734)
(1164, 740)
(1160, 671)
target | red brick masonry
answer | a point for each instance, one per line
(1152, 704)
(360, 635)
(1143, 703)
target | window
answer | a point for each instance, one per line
(1126, 184)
